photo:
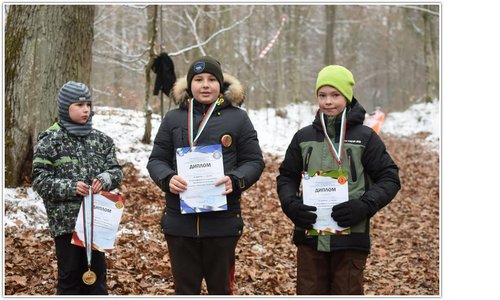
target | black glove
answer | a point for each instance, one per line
(350, 213)
(301, 214)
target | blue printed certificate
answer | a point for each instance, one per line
(201, 167)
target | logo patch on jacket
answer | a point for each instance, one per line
(226, 140)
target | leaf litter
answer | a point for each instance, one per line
(405, 257)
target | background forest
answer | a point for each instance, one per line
(274, 50)
(392, 49)
(387, 46)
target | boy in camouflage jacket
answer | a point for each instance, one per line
(68, 157)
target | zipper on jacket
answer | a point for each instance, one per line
(352, 166)
(307, 158)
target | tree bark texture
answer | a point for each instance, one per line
(329, 37)
(430, 57)
(152, 31)
(45, 46)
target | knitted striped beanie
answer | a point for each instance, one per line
(73, 92)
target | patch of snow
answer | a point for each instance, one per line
(24, 207)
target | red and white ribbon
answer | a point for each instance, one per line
(271, 43)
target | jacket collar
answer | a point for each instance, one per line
(355, 115)
(232, 90)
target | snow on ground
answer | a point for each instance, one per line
(421, 117)
(25, 208)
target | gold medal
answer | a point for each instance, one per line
(89, 277)
(342, 179)
(119, 204)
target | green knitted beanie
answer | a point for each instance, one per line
(337, 76)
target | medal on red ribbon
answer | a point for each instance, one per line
(89, 277)
(193, 140)
(337, 155)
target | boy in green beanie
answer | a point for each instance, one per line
(354, 176)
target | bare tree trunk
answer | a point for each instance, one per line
(45, 46)
(152, 12)
(297, 86)
(330, 29)
(431, 65)
(278, 57)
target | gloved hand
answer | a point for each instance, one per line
(301, 214)
(350, 213)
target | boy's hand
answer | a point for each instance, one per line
(177, 184)
(301, 215)
(96, 186)
(82, 188)
(226, 180)
(350, 213)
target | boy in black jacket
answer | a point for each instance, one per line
(332, 261)
(202, 245)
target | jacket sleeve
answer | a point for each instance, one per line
(383, 173)
(160, 164)
(44, 175)
(290, 174)
(250, 163)
(113, 174)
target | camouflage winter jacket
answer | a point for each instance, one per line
(60, 161)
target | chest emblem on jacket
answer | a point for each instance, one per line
(226, 140)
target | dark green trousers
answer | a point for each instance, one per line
(330, 273)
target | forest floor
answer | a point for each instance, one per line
(405, 257)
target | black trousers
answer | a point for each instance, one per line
(72, 263)
(193, 259)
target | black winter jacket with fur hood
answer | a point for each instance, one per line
(243, 160)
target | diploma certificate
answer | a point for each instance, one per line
(108, 210)
(201, 167)
(324, 192)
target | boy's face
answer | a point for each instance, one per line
(205, 88)
(331, 102)
(79, 112)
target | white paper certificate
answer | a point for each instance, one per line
(108, 210)
(201, 167)
(324, 192)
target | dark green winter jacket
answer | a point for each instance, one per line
(373, 175)
(60, 161)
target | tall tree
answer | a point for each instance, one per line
(330, 29)
(378, 43)
(152, 13)
(430, 52)
(45, 46)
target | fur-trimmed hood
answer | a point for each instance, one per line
(232, 89)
